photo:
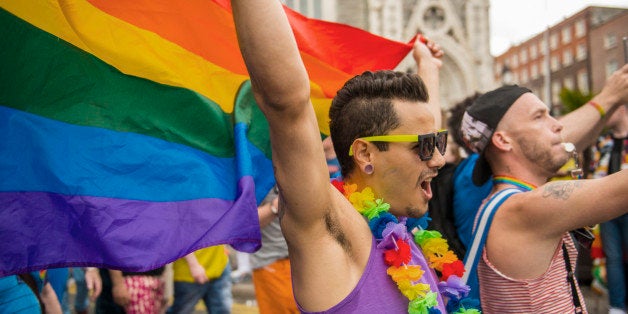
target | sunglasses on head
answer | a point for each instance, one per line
(427, 142)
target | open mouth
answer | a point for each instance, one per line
(427, 188)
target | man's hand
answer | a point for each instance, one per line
(196, 269)
(198, 273)
(615, 90)
(93, 282)
(425, 50)
(427, 55)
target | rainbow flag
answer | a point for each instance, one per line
(129, 136)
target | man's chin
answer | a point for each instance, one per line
(415, 212)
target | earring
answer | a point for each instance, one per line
(368, 169)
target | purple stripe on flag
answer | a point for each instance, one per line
(40, 230)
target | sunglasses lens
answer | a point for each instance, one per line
(441, 142)
(427, 147)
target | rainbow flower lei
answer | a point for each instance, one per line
(393, 236)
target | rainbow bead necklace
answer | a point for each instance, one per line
(514, 181)
(392, 235)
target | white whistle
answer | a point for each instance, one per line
(569, 147)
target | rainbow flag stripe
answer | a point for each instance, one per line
(129, 135)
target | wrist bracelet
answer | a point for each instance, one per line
(599, 108)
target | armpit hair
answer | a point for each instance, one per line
(334, 229)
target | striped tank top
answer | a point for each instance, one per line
(549, 293)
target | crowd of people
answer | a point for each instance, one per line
(385, 129)
(401, 226)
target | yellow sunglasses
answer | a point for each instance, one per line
(427, 142)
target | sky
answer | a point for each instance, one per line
(513, 22)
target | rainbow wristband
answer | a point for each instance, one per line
(598, 108)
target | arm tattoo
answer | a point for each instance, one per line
(561, 190)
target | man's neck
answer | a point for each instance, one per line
(523, 173)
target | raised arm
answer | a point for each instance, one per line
(282, 90)
(583, 125)
(427, 56)
(270, 52)
(328, 245)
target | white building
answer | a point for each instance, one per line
(461, 27)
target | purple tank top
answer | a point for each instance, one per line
(377, 293)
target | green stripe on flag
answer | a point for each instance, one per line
(45, 75)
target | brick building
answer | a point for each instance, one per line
(578, 53)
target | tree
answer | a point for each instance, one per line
(573, 99)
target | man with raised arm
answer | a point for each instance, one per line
(528, 261)
(389, 149)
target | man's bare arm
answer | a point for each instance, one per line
(282, 90)
(427, 56)
(93, 282)
(560, 206)
(196, 269)
(50, 300)
(583, 125)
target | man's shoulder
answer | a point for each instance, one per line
(505, 198)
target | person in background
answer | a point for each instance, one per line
(610, 156)
(139, 293)
(330, 155)
(440, 207)
(28, 293)
(271, 266)
(243, 267)
(16, 296)
(203, 275)
(385, 131)
(467, 197)
(529, 249)
(88, 287)
(58, 279)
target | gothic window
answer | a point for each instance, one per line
(434, 17)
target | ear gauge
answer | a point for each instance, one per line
(368, 169)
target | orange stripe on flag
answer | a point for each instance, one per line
(332, 52)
